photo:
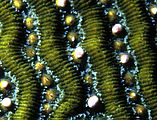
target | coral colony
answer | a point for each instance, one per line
(78, 60)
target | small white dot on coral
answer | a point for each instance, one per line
(117, 28)
(61, 3)
(154, 10)
(6, 102)
(4, 83)
(124, 58)
(79, 52)
(92, 101)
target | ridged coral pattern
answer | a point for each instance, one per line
(102, 59)
(141, 40)
(12, 59)
(53, 51)
(53, 48)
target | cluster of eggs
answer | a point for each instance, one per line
(6, 88)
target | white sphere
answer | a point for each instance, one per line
(92, 101)
(4, 84)
(124, 58)
(78, 53)
(6, 102)
(61, 3)
(117, 28)
(153, 10)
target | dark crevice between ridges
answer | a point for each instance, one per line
(10, 54)
(53, 50)
(142, 40)
(96, 45)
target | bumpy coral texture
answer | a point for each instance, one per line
(96, 44)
